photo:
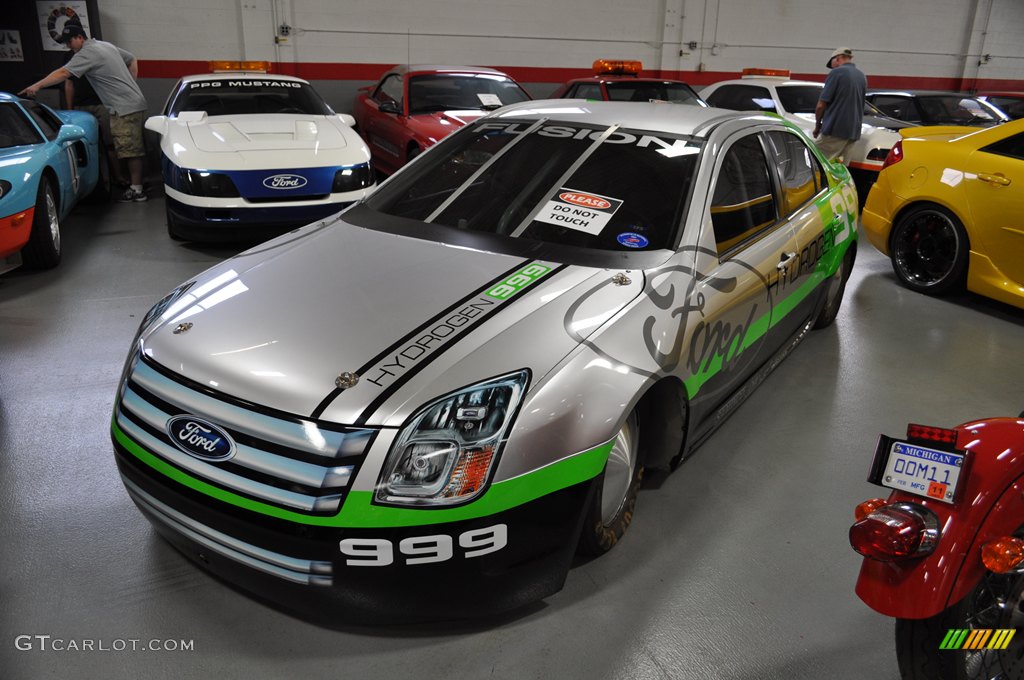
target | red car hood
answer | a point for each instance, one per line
(439, 124)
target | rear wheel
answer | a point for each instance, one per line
(611, 510)
(43, 248)
(995, 604)
(929, 250)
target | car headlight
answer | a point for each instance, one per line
(202, 183)
(446, 451)
(352, 178)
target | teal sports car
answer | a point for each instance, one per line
(49, 160)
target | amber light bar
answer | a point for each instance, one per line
(773, 72)
(619, 67)
(222, 66)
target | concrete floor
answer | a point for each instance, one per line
(736, 566)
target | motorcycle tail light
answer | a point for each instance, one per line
(868, 507)
(894, 156)
(1003, 555)
(931, 434)
(901, 531)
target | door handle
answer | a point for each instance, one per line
(1001, 180)
(784, 262)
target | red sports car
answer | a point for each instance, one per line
(619, 81)
(414, 107)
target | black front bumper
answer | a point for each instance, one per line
(301, 569)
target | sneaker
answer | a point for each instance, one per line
(131, 196)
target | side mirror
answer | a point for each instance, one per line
(156, 124)
(70, 133)
(347, 119)
(389, 107)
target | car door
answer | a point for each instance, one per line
(995, 192)
(745, 248)
(64, 162)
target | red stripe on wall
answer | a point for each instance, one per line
(542, 74)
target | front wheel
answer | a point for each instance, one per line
(934, 648)
(611, 510)
(43, 248)
(836, 288)
(929, 250)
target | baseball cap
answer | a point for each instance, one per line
(844, 51)
(72, 31)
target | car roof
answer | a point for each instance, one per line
(235, 75)
(767, 80)
(665, 117)
(416, 68)
(628, 79)
(923, 93)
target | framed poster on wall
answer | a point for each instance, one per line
(54, 15)
(10, 46)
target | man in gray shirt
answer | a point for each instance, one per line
(840, 110)
(112, 72)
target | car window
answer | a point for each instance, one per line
(955, 110)
(48, 123)
(390, 90)
(15, 128)
(442, 92)
(626, 91)
(897, 106)
(800, 173)
(743, 203)
(799, 98)
(248, 95)
(586, 91)
(742, 98)
(569, 184)
(1011, 106)
(1011, 146)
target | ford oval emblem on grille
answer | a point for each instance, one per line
(285, 182)
(200, 439)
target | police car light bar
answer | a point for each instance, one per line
(766, 72)
(608, 67)
(230, 66)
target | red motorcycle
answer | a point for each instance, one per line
(945, 552)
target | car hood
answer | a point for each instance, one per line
(439, 124)
(414, 319)
(230, 134)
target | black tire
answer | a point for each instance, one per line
(919, 641)
(103, 191)
(835, 288)
(929, 250)
(43, 248)
(614, 500)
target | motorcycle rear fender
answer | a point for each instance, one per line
(992, 506)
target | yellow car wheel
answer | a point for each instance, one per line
(929, 250)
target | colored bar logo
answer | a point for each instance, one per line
(979, 638)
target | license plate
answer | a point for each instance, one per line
(923, 471)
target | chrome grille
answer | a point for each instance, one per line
(289, 462)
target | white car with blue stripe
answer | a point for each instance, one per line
(243, 153)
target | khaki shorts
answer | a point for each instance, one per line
(834, 147)
(102, 116)
(127, 131)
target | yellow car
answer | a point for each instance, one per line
(948, 209)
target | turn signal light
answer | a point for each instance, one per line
(771, 72)
(896, 532)
(608, 67)
(868, 507)
(1003, 555)
(257, 66)
(894, 156)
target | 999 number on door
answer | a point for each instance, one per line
(380, 552)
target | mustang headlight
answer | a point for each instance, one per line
(352, 179)
(445, 453)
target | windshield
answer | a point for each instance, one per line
(957, 110)
(799, 98)
(567, 184)
(15, 129)
(445, 92)
(641, 91)
(247, 95)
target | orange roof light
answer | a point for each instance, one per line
(1003, 555)
(766, 72)
(252, 66)
(608, 67)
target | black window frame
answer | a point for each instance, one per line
(755, 233)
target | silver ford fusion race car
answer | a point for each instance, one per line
(423, 407)
(244, 151)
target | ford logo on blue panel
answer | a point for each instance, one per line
(201, 439)
(285, 182)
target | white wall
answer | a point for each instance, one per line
(929, 38)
